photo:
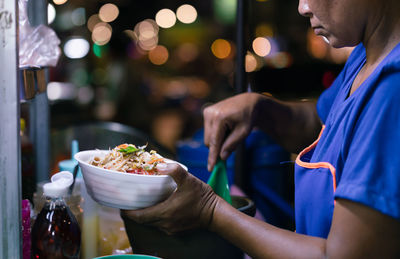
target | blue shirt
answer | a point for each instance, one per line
(357, 155)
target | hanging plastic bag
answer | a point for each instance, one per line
(38, 46)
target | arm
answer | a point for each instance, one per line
(357, 231)
(294, 125)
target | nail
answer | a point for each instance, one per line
(162, 166)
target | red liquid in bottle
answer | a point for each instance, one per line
(56, 233)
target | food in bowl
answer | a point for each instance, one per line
(128, 158)
(123, 190)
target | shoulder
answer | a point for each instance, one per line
(387, 80)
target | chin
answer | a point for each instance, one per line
(340, 44)
(337, 43)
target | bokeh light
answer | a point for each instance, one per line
(261, 46)
(101, 34)
(158, 55)
(85, 95)
(54, 90)
(148, 44)
(198, 88)
(64, 21)
(108, 12)
(59, 2)
(51, 13)
(165, 18)
(146, 29)
(131, 34)
(78, 16)
(250, 63)
(76, 48)
(92, 21)
(281, 60)
(99, 50)
(221, 48)
(61, 90)
(186, 13)
(187, 52)
(225, 11)
(316, 46)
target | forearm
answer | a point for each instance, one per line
(261, 240)
(294, 125)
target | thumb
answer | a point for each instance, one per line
(177, 172)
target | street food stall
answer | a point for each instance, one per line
(23, 88)
(108, 106)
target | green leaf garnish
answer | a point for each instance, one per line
(129, 150)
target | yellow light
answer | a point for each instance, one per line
(59, 2)
(92, 21)
(250, 63)
(221, 48)
(108, 12)
(158, 55)
(186, 13)
(261, 46)
(165, 18)
(101, 34)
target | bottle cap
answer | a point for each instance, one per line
(60, 182)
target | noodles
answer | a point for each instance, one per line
(128, 158)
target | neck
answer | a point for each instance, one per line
(382, 36)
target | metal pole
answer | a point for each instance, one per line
(240, 75)
(241, 84)
(10, 172)
(39, 113)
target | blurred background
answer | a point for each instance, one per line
(154, 65)
(142, 72)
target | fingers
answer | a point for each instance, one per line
(215, 129)
(148, 215)
(177, 172)
(232, 141)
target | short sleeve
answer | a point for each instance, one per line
(371, 172)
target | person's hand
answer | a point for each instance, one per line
(227, 123)
(190, 206)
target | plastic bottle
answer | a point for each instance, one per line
(56, 233)
(84, 206)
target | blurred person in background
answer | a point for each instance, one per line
(347, 197)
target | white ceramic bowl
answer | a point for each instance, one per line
(123, 190)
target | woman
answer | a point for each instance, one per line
(347, 181)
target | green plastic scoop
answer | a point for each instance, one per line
(219, 181)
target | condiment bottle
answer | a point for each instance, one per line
(56, 233)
